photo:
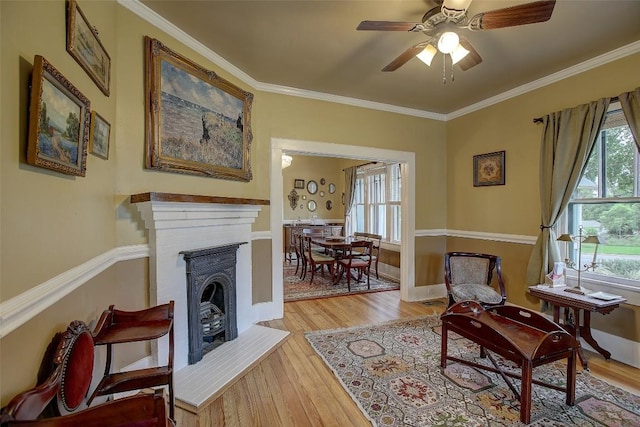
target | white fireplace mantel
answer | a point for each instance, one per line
(178, 223)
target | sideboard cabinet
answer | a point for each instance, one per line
(291, 230)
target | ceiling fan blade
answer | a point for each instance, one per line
(473, 57)
(386, 26)
(528, 13)
(404, 57)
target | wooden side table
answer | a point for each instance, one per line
(581, 306)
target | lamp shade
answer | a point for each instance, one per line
(286, 160)
(565, 238)
(592, 239)
(458, 53)
(427, 54)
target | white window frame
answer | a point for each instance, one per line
(628, 288)
(363, 175)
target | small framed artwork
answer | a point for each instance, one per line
(298, 183)
(99, 137)
(196, 122)
(489, 169)
(59, 122)
(85, 47)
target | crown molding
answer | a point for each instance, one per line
(158, 21)
(587, 65)
(161, 23)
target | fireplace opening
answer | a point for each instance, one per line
(211, 298)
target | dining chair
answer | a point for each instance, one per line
(357, 256)
(375, 250)
(315, 260)
(469, 276)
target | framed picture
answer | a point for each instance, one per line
(197, 122)
(85, 47)
(59, 121)
(298, 183)
(488, 169)
(99, 137)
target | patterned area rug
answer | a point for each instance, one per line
(393, 373)
(296, 289)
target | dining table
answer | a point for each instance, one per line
(336, 245)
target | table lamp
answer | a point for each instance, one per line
(580, 239)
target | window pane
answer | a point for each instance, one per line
(617, 226)
(619, 162)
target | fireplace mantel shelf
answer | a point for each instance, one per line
(193, 198)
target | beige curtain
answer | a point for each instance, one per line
(630, 102)
(349, 194)
(567, 140)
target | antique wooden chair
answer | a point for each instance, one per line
(63, 379)
(375, 250)
(357, 256)
(140, 410)
(468, 276)
(315, 260)
(118, 326)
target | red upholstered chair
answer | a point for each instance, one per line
(63, 379)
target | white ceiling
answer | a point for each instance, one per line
(313, 45)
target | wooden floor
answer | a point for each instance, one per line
(293, 386)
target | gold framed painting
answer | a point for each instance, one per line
(489, 169)
(59, 121)
(99, 137)
(196, 121)
(85, 47)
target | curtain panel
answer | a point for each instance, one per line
(568, 138)
(630, 102)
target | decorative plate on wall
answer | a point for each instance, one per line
(312, 187)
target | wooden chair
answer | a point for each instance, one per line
(468, 276)
(63, 379)
(141, 410)
(118, 326)
(375, 251)
(299, 250)
(315, 260)
(358, 259)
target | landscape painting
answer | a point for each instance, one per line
(198, 123)
(85, 46)
(58, 123)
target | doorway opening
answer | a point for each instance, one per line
(323, 149)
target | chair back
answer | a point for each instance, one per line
(63, 379)
(360, 250)
(470, 268)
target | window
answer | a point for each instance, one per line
(606, 203)
(377, 202)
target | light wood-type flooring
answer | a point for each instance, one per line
(293, 386)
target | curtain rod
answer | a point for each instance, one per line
(364, 164)
(539, 119)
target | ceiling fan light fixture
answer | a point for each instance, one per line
(448, 42)
(458, 53)
(427, 54)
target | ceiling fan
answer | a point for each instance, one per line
(443, 22)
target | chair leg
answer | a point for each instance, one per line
(377, 259)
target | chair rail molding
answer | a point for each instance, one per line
(22, 308)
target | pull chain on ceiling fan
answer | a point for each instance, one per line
(443, 22)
